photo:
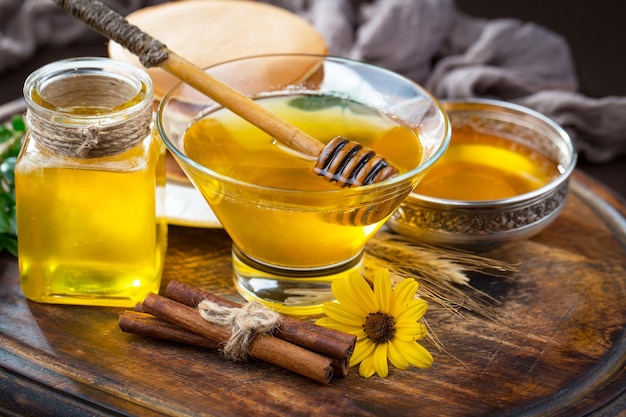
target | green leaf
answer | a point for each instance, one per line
(11, 136)
(5, 134)
(7, 170)
(5, 222)
(14, 150)
(11, 246)
(18, 123)
(9, 243)
(313, 103)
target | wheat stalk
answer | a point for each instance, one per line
(441, 273)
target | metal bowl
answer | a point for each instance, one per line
(482, 224)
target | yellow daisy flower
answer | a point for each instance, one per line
(385, 322)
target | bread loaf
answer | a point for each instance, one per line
(207, 32)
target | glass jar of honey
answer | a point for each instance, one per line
(90, 183)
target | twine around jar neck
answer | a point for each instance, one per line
(91, 136)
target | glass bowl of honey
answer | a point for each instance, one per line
(294, 232)
(504, 177)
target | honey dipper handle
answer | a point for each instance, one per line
(152, 53)
(242, 105)
(115, 27)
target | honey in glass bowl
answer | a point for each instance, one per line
(293, 231)
(307, 230)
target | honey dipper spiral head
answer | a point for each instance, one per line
(349, 163)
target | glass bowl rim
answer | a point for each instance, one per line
(442, 147)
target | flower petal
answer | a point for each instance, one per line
(404, 300)
(410, 331)
(333, 324)
(362, 350)
(343, 290)
(404, 291)
(361, 335)
(342, 314)
(380, 360)
(366, 369)
(382, 290)
(363, 293)
(396, 358)
(413, 311)
(414, 353)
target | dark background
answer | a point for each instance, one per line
(595, 30)
(596, 33)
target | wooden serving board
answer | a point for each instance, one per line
(559, 350)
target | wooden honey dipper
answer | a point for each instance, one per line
(343, 161)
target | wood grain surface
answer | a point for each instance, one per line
(559, 347)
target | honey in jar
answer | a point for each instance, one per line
(90, 186)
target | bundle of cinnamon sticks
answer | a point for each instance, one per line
(313, 351)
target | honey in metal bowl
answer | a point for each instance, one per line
(504, 177)
(483, 166)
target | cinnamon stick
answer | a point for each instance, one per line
(144, 324)
(264, 347)
(325, 341)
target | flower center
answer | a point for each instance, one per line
(379, 327)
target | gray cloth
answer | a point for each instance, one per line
(26, 25)
(458, 56)
(429, 41)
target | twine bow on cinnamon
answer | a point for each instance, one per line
(245, 323)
